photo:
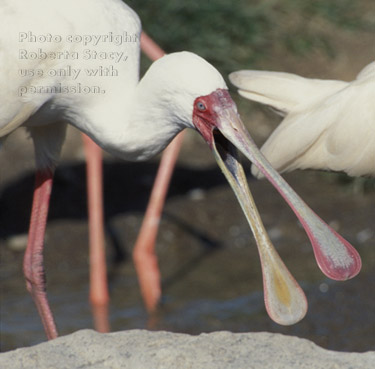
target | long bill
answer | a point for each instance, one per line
(336, 257)
(285, 301)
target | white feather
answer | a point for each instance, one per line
(132, 121)
(328, 124)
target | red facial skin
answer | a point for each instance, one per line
(206, 109)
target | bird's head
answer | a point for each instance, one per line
(191, 93)
(182, 90)
(195, 95)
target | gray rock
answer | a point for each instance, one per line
(140, 349)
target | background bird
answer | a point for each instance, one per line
(328, 124)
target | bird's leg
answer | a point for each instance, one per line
(150, 47)
(145, 260)
(144, 257)
(33, 260)
(99, 296)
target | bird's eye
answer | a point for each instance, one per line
(201, 106)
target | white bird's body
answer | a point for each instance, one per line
(115, 112)
(328, 124)
(50, 18)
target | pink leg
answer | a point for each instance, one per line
(144, 256)
(33, 260)
(144, 251)
(99, 295)
(150, 48)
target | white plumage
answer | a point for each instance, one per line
(118, 119)
(328, 124)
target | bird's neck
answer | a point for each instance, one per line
(134, 128)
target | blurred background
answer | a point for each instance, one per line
(208, 258)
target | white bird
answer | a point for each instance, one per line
(55, 72)
(328, 124)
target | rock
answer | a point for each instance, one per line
(140, 349)
(17, 242)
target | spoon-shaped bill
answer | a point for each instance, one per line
(336, 257)
(285, 301)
